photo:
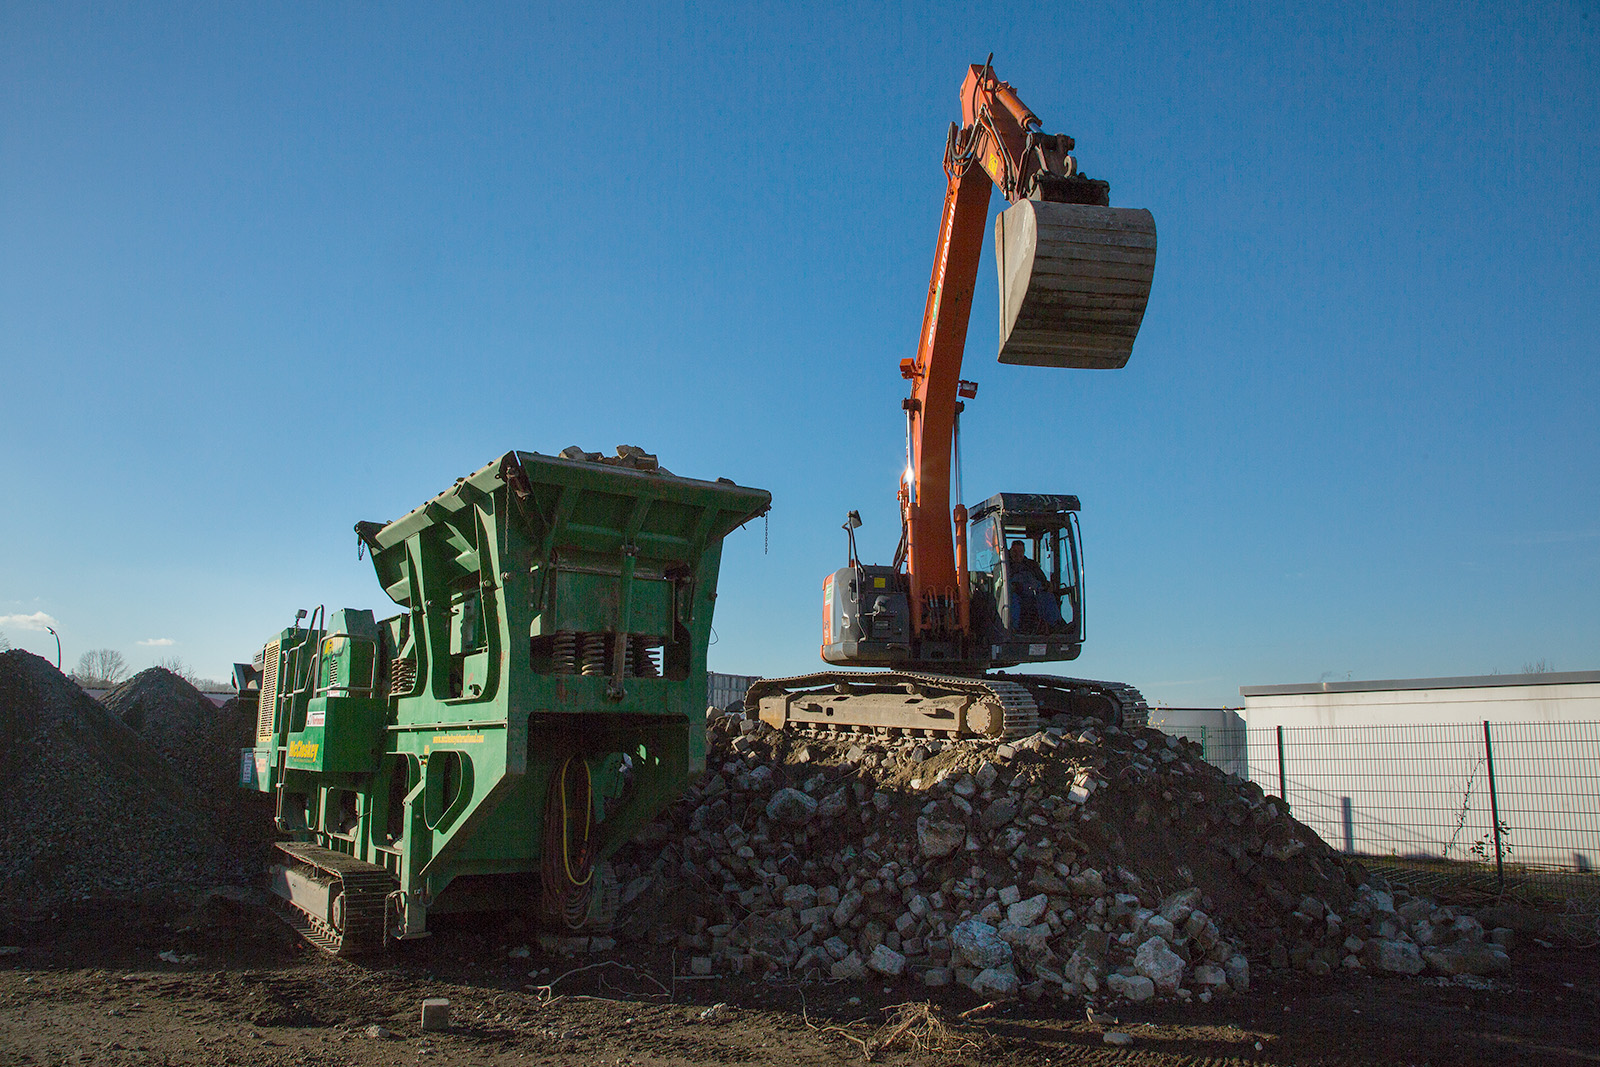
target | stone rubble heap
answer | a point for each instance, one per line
(1392, 931)
(1082, 860)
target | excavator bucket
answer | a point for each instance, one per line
(1074, 280)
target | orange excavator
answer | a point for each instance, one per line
(1002, 585)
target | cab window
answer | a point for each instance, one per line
(985, 548)
(1035, 545)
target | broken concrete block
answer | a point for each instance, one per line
(436, 1013)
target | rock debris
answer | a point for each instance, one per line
(1081, 861)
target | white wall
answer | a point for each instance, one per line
(1572, 696)
(1401, 767)
(1220, 733)
(724, 689)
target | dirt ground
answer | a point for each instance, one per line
(88, 986)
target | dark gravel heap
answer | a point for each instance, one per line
(199, 740)
(202, 742)
(91, 809)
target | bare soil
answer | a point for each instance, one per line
(86, 986)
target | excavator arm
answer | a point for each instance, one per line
(1074, 277)
(998, 145)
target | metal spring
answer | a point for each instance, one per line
(594, 654)
(564, 652)
(645, 662)
(402, 676)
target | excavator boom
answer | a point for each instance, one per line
(1075, 274)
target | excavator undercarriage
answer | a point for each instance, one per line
(917, 704)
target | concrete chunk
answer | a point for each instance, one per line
(436, 1013)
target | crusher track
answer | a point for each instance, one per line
(358, 893)
(937, 705)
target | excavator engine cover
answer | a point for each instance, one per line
(1074, 280)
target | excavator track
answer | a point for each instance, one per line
(335, 901)
(913, 703)
(936, 705)
(1116, 703)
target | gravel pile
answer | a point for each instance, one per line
(92, 809)
(199, 740)
(1083, 860)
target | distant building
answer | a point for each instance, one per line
(1568, 696)
(725, 689)
(1220, 733)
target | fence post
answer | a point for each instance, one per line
(1494, 809)
(1283, 788)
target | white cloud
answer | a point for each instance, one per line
(37, 621)
(157, 642)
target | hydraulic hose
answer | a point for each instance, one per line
(566, 869)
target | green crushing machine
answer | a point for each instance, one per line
(539, 696)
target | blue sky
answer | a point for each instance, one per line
(268, 269)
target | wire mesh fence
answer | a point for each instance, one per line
(1494, 807)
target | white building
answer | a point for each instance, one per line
(1403, 767)
(1220, 733)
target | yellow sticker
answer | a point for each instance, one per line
(879, 583)
(460, 739)
(303, 750)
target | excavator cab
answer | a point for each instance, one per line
(1026, 571)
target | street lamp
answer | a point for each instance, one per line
(57, 636)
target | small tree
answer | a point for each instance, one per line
(100, 668)
(176, 665)
(4, 644)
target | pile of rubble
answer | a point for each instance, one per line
(1081, 860)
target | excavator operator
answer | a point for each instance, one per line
(1034, 608)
